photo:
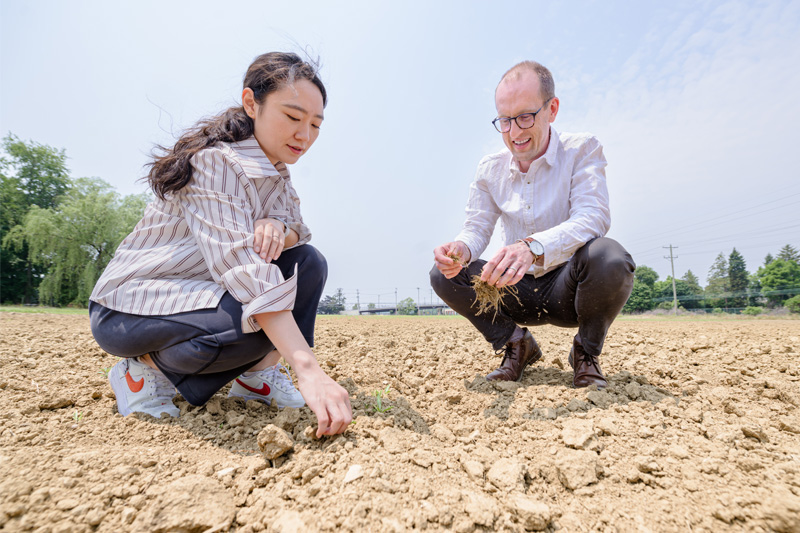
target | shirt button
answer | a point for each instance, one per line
(527, 207)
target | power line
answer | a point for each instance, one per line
(739, 214)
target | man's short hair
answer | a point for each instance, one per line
(547, 87)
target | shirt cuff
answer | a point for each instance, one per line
(470, 246)
(279, 297)
(552, 256)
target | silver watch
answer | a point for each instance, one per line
(536, 247)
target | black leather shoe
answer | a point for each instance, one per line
(518, 355)
(585, 367)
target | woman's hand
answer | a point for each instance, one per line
(269, 239)
(326, 398)
(329, 401)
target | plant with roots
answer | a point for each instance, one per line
(380, 394)
(488, 297)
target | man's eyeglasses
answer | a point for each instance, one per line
(523, 120)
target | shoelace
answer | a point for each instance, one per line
(279, 379)
(164, 387)
(506, 351)
(591, 360)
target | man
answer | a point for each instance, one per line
(549, 190)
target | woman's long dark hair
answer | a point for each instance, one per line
(171, 170)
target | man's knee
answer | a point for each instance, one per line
(439, 283)
(610, 257)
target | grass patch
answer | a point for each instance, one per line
(42, 309)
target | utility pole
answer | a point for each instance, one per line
(358, 301)
(396, 311)
(674, 291)
(417, 300)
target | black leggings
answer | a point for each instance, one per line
(201, 351)
(588, 291)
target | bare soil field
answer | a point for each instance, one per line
(699, 430)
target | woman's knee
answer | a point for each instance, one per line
(312, 263)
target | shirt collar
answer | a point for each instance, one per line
(250, 149)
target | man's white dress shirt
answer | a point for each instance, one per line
(561, 202)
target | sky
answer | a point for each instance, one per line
(695, 103)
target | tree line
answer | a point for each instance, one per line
(57, 233)
(730, 286)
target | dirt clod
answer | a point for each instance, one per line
(274, 442)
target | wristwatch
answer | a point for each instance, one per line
(535, 246)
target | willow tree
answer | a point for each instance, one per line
(31, 174)
(74, 241)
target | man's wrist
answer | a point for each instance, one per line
(534, 246)
(467, 256)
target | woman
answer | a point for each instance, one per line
(221, 254)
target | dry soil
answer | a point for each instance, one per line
(698, 431)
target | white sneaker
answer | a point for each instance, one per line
(140, 389)
(267, 385)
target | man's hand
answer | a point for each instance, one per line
(328, 400)
(269, 240)
(443, 256)
(508, 265)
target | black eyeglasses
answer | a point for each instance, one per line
(523, 120)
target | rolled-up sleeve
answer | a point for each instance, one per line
(219, 213)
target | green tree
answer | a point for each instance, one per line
(768, 259)
(662, 291)
(754, 290)
(793, 304)
(737, 279)
(646, 275)
(31, 174)
(406, 307)
(789, 253)
(780, 280)
(370, 305)
(718, 283)
(695, 298)
(74, 241)
(641, 298)
(332, 305)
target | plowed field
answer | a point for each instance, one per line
(698, 431)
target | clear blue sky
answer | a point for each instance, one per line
(695, 103)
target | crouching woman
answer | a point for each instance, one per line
(217, 282)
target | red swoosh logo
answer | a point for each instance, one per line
(264, 390)
(135, 386)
